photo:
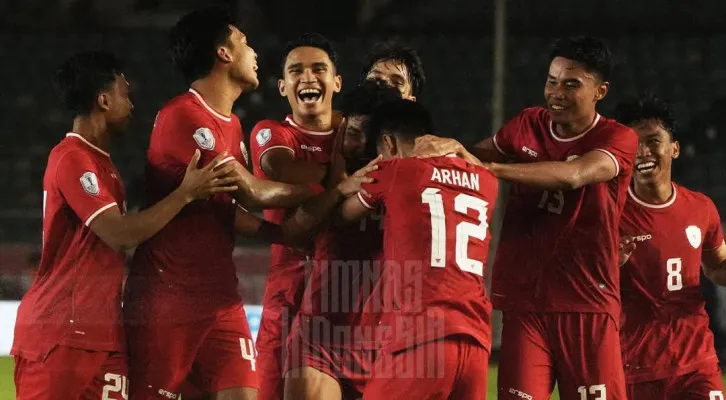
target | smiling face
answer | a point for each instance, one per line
(571, 92)
(310, 80)
(656, 151)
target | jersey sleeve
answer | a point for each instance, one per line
(620, 145)
(81, 184)
(268, 135)
(714, 232)
(182, 132)
(382, 181)
(506, 135)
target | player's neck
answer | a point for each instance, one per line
(575, 127)
(321, 122)
(94, 130)
(218, 92)
(656, 192)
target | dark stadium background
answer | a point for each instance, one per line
(484, 59)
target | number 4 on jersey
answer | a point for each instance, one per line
(464, 230)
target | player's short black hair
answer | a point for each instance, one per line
(590, 51)
(82, 77)
(404, 119)
(310, 40)
(364, 98)
(397, 52)
(643, 107)
(193, 41)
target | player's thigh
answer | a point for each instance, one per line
(111, 382)
(226, 358)
(161, 356)
(309, 383)
(588, 363)
(270, 366)
(65, 373)
(706, 383)
(425, 371)
(471, 382)
(526, 369)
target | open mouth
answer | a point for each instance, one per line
(309, 95)
(645, 167)
(556, 107)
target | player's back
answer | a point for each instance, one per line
(558, 248)
(75, 299)
(192, 255)
(664, 322)
(436, 240)
(287, 273)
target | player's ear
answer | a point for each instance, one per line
(338, 83)
(281, 87)
(602, 90)
(224, 54)
(390, 145)
(104, 101)
(676, 149)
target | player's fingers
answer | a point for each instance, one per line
(195, 160)
(223, 189)
(225, 170)
(224, 181)
(218, 160)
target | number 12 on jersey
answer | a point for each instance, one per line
(464, 230)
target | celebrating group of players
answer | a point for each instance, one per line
(380, 237)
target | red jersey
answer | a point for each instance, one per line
(558, 248)
(436, 241)
(75, 299)
(191, 257)
(286, 279)
(664, 324)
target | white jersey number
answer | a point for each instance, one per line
(675, 279)
(116, 384)
(598, 390)
(464, 230)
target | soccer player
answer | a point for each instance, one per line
(397, 65)
(555, 276)
(187, 327)
(296, 150)
(331, 346)
(668, 349)
(69, 339)
(436, 311)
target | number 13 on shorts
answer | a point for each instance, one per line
(590, 392)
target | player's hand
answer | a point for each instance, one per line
(202, 182)
(625, 249)
(433, 146)
(352, 184)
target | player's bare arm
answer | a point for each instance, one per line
(308, 217)
(592, 167)
(714, 264)
(123, 232)
(434, 146)
(625, 249)
(282, 166)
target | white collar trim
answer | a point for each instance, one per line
(561, 139)
(94, 147)
(308, 131)
(650, 205)
(210, 109)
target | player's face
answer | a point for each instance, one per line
(310, 80)
(117, 104)
(243, 60)
(571, 92)
(354, 139)
(395, 74)
(656, 151)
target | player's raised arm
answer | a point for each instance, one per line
(482, 152)
(123, 232)
(593, 167)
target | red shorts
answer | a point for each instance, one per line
(206, 356)
(450, 368)
(72, 373)
(271, 348)
(350, 366)
(704, 384)
(580, 351)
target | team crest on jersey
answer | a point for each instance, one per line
(263, 136)
(243, 149)
(89, 181)
(693, 233)
(204, 138)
